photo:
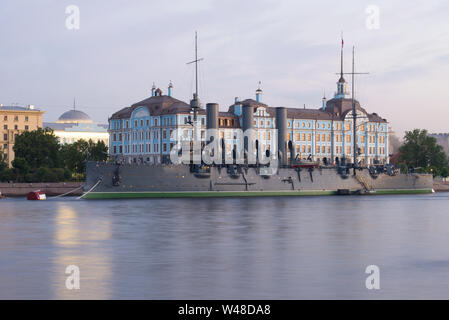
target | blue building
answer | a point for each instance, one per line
(141, 132)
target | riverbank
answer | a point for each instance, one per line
(50, 188)
(440, 185)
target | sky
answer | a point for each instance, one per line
(292, 47)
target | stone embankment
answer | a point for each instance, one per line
(439, 185)
(50, 188)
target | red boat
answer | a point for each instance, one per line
(36, 195)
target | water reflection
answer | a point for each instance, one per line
(292, 248)
(81, 243)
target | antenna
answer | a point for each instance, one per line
(74, 103)
(194, 103)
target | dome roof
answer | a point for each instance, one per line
(74, 116)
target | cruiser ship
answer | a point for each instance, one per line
(258, 150)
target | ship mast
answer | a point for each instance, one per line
(354, 109)
(195, 103)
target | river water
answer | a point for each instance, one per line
(256, 248)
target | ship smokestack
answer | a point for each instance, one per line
(281, 125)
(248, 126)
(212, 116)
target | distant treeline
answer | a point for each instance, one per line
(39, 157)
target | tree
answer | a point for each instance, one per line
(3, 163)
(394, 143)
(39, 148)
(75, 155)
(421, 150)
(97, 151)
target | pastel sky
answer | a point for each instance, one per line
(293, 47)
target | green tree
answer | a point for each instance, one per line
(3, 163)
(421, 150)
(97, 151)
(39, 148)
(75, 155)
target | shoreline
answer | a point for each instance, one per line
(49, 188)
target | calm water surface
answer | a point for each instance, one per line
(267, 248)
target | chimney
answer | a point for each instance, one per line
(323, 104)
(170, 89)
(153, 90)
(259, 93)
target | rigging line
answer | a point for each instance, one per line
(64, 194)
(84, 194)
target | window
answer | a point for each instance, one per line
(155, 122)
(26, 128)
(5, 127)
(141, 123)
(348, 150)
(309, 136)
(16, 118)
(362, 139)
(120, 149)
(115, 149)
(5, 118)
(164, 134)
(26, 118)
(323, 149)
(202, 123)
(303, 148)
(318, 137)
(328, 137)
(348, 138)
(297, 136)
(16, 127)
(5, 137)
(348, 126)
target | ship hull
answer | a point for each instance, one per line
(109, 181)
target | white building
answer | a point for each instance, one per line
(75, 125)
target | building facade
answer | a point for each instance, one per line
(75, 125)
(15, 120)
(142, 132)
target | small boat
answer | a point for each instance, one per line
(36, 195)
